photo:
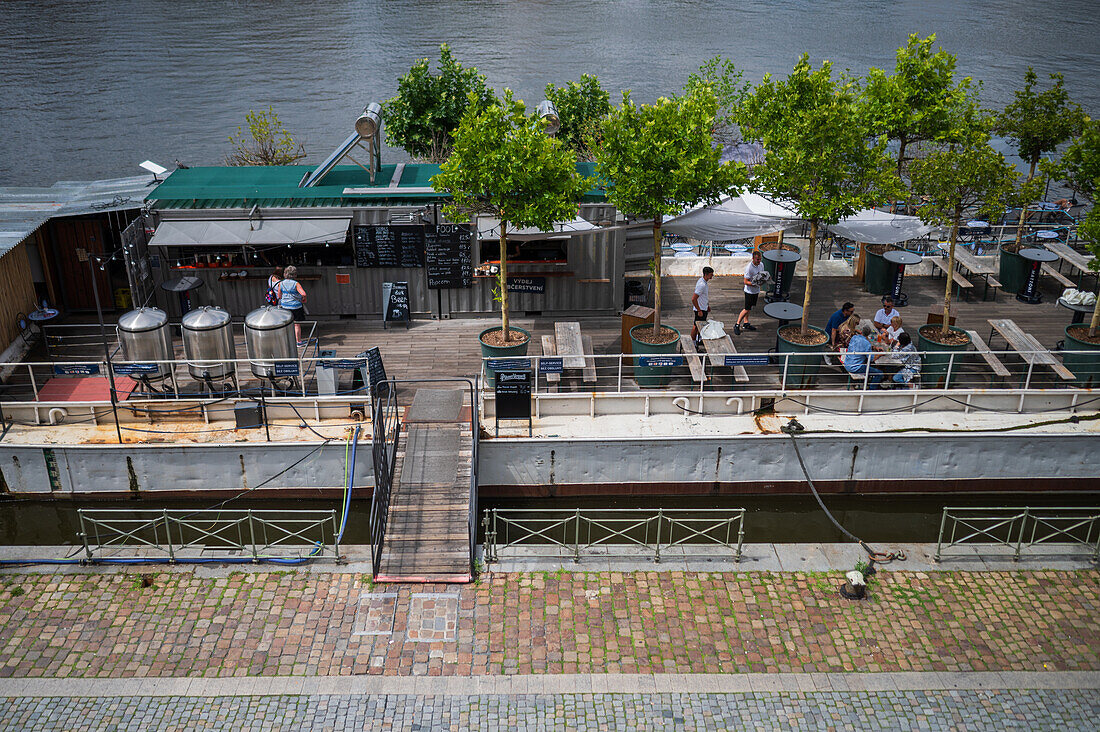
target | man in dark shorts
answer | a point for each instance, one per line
(752, 292)
(700, 303)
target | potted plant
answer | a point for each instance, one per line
(822, 161)
(655, 161)
(1085, 339)
(504, 164)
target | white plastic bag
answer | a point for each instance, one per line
(711, 329)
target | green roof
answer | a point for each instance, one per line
(276, 186)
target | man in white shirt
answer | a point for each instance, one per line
(886, 314)
(753, 278)
(700, 303)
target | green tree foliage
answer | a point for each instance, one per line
(914, 104)
(581, 105)
(730, 89)
(965, 177)
(1080, 164)
(266, 142)
(423, 116)
(821, 157)
(1089, 234)
(1037, 122)
(658, 159)
(503, 163)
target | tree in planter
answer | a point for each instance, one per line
(581, 105)
(821, 157)
(658, 159)
(1037, 123)
(267, 142)
(504, 164)
(423, 116)
(961, 177)
(914, 104)
(1089, 233)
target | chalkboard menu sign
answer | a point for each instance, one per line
(389, 246)
(449, 256)
(376, 372)
(513, 397)
(395, 302)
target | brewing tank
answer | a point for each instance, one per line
(145, 338)
(269, 335)
(208, 343)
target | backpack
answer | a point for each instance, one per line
(272, 298)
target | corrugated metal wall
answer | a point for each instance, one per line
(591, 282)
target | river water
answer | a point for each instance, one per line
(90, 89)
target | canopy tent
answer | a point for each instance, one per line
(750, 214)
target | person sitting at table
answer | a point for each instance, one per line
(883, 316)
(836, 320)
(893, 331)
(846, 330)
(910, 361)
(857, 361)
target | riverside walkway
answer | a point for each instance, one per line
(562, 650)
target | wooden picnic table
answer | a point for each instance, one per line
(976, 267)
(1076, 260)
(717, 349)
(567, 338)
(694, 363)
(1029, 349)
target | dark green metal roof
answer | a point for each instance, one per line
(276, 186)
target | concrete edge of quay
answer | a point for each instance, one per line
(811, 557)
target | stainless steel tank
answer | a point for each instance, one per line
(208, 343)
(145, 337)
(268, 335)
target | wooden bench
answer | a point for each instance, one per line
(717, 349)
(983, 350)
(1029, 349)
(694, 363)
(589, 360)
(548, 349)
(960, 282)
(1058, 276)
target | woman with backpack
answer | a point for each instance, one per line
(274, 279)
(293, 298)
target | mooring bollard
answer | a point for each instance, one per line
(855, 588)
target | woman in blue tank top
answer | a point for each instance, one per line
(293, 298)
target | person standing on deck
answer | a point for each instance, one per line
(293, 298)
(753, 277)
(700, 303)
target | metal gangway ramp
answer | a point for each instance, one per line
(429, 525)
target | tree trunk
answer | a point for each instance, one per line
(1023, 208)
(1094, 326)
(657, 274)
(950, 269)
(504, 280)
(809, 278)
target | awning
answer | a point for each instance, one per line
(257, 232)
(489, 228)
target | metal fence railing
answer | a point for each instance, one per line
(575, 532)
(191, 535)
(1020, 528)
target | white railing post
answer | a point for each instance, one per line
(786, 366)
(619, 386)
(950, 368)
(1030, 369)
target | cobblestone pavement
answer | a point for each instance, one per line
(296, 624)
(989, 710)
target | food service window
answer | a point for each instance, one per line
(520, 251)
